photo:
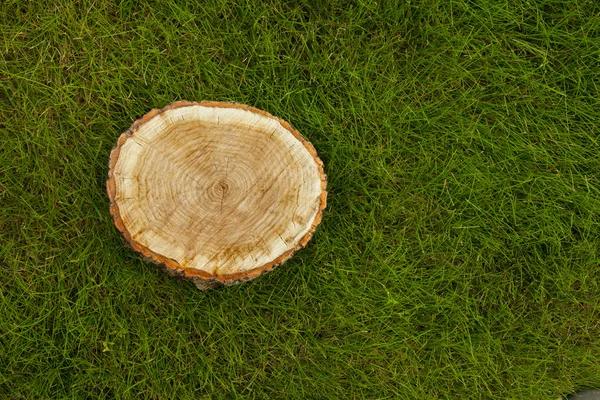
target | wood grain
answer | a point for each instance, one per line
(216, 192)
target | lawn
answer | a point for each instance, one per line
(459, 254)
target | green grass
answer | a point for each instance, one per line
(459, 255)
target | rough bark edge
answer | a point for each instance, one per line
(203, 280)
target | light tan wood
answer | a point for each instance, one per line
(216, 192)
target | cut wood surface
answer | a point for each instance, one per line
(216, 192)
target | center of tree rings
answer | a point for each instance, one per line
(224, 188)
(219, 189)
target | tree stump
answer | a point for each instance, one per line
(215, 192)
